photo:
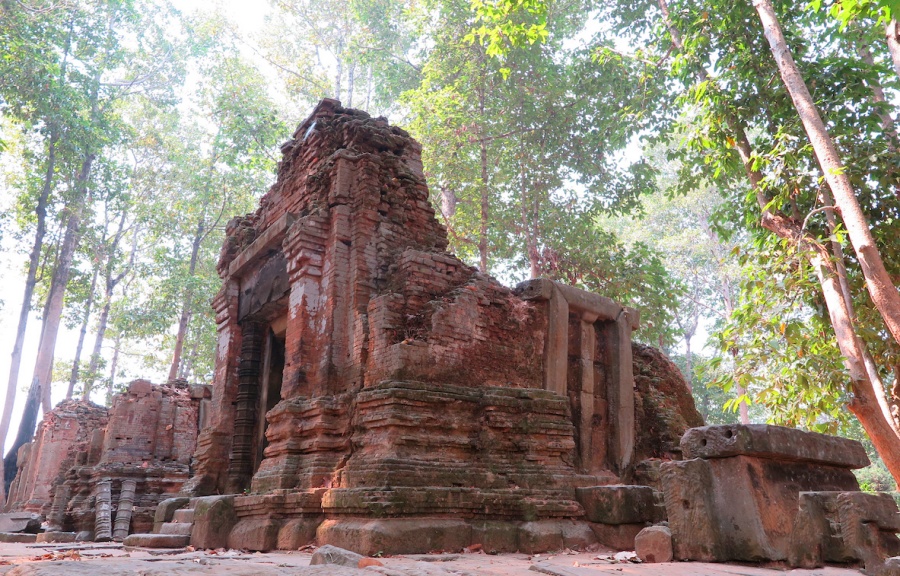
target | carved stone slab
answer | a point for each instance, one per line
(773, 442)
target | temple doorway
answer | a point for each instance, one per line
(270, 379)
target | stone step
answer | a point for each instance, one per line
(157, 540)
(183, 515)
(181, 528)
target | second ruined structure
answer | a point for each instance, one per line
(99, 473)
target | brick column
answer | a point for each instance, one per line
(305, 343)
(214, 441)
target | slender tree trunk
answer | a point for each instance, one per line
(188, 367)
(527, 228)
(98, 348)
(30, 282)
(485, 205)
(25, 434)
(338, 77)
(688, 361)
(883, 292)
(892, 38)
(43, 367)
(841, 271)
(111, 385)
(368, 86)
(110, 283)
(186, 307)
(350, 78)
(76, 368)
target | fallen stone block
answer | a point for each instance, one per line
(741, 508)
(297, 532)
(869, 526)
(817, 536)
(777, 442)
(620, 504)
(548, 535)
(255, 533)
(84, 536)
(840, 527)
(654, 544)
(495, 536)
(20, 522)
(329, 554)
(214, 517)
(156, 540)
(395, 535)
(617, 536)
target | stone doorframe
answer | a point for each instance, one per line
(616, 323)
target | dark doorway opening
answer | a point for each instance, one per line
(269, 382)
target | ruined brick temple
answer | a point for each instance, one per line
(364, 372)
(374, 392)
(89, 465)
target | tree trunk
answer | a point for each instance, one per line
(111, 385)
(26, 431)
(30, 282)
(351, 73)
(892, 38)
(73, 379)
(841, 271)
(527, 226)
(186, 307)
(485, 205)
(883, 292)
(338, 76)
(688, 361)
(368, 86)
(43, 366)
(98, 347)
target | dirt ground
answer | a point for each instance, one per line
(94, 559)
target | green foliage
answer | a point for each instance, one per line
(783, 349)
(524, 156)
(504, 24)
(846, 11)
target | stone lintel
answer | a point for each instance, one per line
(773, 442)
(581, 300)
(273, 236)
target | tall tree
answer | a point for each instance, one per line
(112, 50)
